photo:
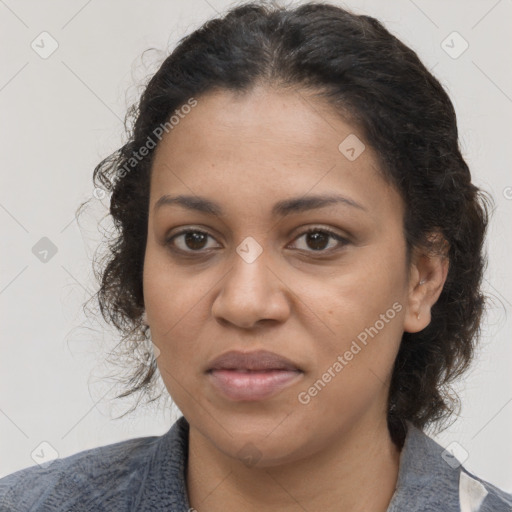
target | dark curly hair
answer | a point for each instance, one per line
(370, 78)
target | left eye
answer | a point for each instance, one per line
(317, 239)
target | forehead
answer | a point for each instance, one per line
(271, 119)
(265, 144)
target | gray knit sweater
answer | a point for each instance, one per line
(149, 474)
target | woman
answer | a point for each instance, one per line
(299, 230)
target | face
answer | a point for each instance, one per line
(250, 278)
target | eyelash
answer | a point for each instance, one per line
(343, 241)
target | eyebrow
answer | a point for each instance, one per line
(280, 209)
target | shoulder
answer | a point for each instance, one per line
(477, 492)
(91, 477)
(431, 478)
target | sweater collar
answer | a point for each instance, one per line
(165, 483)
(425, 478)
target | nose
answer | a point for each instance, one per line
(252, 293)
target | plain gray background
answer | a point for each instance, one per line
(62, 113)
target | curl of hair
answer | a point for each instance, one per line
(370, 78)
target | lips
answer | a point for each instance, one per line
(252, 376)
(259, 361)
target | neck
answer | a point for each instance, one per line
(357, 471)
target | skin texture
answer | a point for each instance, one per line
(246, 153)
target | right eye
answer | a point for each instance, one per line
(191, 240)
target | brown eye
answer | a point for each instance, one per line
(192, 240)
(195, 240)
(317, 240)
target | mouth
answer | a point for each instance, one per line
(252, 376)
(252, 385)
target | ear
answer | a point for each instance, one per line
(427, 276)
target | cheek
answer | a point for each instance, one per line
(354, 364)
(363, 309)
(173, 303)
(174, 306)
(170, 294)
(356, 296)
